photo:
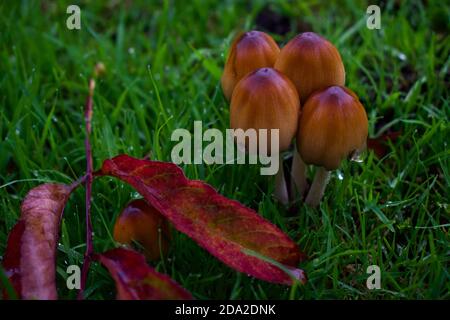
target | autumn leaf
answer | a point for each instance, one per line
(135, 280)
(224, 227)
(31, 251)
(379, 144)
(11, 259)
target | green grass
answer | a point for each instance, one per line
(164, 63)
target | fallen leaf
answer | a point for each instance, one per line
(224, 227)
(31, 251)
(135, 280)
(11, 259)
(379, 145)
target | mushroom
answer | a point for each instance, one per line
(312, 63)
(142, 223)
(249, 51)
(267, 99)
(333, 126)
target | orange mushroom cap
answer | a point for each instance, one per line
(249, 51)
(266, 99)
(312, 63)
(141, 222)
(332, 126)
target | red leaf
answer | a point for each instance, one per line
(379, 146)
(11, 260)
(224, 227)
(135, 280)
(32, 243)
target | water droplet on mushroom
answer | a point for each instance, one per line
(356, 156)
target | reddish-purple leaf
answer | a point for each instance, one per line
(135, 280)
(11, 259)
(379, 145)
(36, 246)
(224, 227)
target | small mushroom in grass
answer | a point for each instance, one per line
(312, 63)
(333, 125)
(142, 223)
(249, 51)
(267, 99)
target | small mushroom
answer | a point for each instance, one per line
(249, 51)
(267, 99)
(312, 63)
(333, 125)
(142, 223)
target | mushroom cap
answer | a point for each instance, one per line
(333, 125)
(312, 63)
(266, 99)
(249, 51)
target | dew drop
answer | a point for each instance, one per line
(356, 156)
(389, 204)
(135, 195)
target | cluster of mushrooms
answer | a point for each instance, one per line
(300, 91)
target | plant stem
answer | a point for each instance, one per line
(298, 175)
(281, 192)
(318, 186)
(88, 184)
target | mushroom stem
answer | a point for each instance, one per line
(298, 175)
(281, 191)
(318, 186)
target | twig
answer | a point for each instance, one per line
(88, 183)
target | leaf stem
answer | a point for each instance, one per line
(88, 183)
